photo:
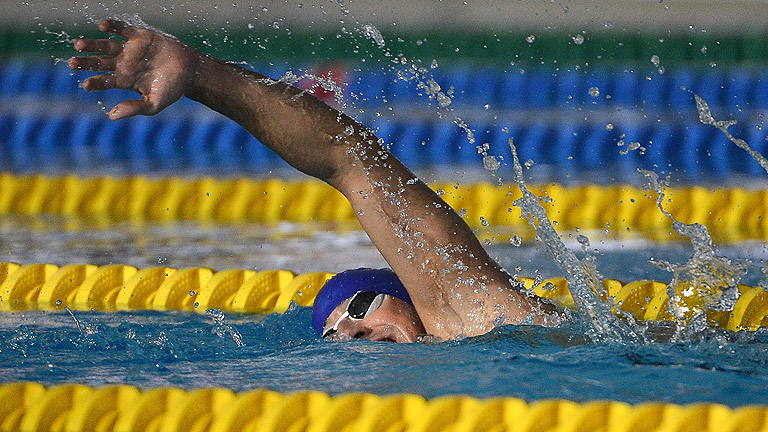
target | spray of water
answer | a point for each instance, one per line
(584, 281)
(706, 281)
(223, 330)
(705, 116)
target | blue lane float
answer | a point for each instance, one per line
(507, 88)
(206, 144)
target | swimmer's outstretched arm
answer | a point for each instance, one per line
(456, 288)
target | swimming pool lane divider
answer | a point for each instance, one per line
(32, 407)
(731, 214)
(200, 142)
(117, 287)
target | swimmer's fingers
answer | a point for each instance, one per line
(132, 107)
(100, 46)
(93, 63)
(117, 27)
(100, 82)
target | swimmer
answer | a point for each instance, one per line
(444, 283)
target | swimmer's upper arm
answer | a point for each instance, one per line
(456, 287)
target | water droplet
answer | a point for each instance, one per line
(655, 60)
(608, 24)
(529, 163)
(490, 163)
(371, 32)
(196, 305)
(483, 221)
(609, 126)
(530, 39)
(192, 293)
(578, 39)
(594, 92)
(58, 302)
(515, 241)
(162, 260)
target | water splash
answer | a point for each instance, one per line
(371, 32)
(410, 71)
(584, 281)
(705, 116)
(223, 330)
(706, 281)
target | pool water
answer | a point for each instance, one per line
(281, 352)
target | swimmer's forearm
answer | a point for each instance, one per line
(456, 287)
(302, 130)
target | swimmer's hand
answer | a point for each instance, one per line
(157, 66)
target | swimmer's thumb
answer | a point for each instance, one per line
(131, 108)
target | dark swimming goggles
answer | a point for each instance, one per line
(361, 306)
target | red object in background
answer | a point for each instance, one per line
(336, 72)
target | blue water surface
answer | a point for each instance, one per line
(281, 352)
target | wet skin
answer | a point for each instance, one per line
(394, 321)
(456, 287)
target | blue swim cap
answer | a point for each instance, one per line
(345, 284)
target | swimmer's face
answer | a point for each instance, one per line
(393, 321)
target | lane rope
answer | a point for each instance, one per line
(731, 214)
(118, 287)
(30, 407)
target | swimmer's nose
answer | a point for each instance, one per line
(363, 333)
